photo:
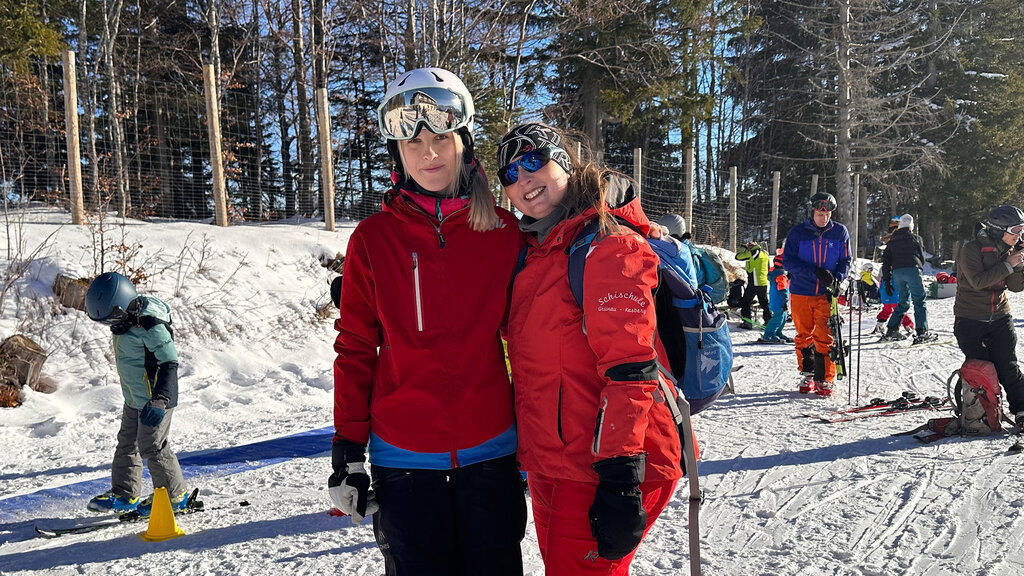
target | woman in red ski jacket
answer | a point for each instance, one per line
(420, 374)
(596, 437)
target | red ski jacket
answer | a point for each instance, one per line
(587, 395)
(420, 371)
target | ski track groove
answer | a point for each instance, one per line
(901, 511)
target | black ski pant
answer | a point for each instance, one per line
(461, 522)
(996, 342)
(759, 292)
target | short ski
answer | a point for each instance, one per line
(874, 404)
(909, 402)
(193, 505)
(930, 403)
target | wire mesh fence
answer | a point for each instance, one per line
(144, 149)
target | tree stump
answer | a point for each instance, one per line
(21, 363)
(71, 291)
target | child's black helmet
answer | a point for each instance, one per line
(108, 298)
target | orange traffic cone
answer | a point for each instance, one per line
(162, 525)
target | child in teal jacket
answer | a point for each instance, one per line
(147, 364)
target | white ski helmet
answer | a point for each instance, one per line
(431, 97)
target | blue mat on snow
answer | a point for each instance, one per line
(222, 462)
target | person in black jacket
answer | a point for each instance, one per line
(902, 262)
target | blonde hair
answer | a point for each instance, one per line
(587, 184)
(470, 182)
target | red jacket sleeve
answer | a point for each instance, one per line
(359, 335)
(619, 320)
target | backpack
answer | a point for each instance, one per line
(711, 275)
(695, 335)
(977, 401)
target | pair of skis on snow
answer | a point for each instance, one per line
(907, 402)
(193, 505)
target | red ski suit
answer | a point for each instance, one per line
(584, 396)
(420, 370)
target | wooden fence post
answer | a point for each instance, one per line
(323, 114)
(72, 139)
(732, 208)
(220, 210)
(638, 170)
(776, 175)
(688, 190)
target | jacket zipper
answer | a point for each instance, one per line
(416, 289)
(600, 423)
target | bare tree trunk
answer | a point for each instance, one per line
(305, 200)
(257, 194)
(88, 91)
(843, 158)
(284, 127)
(933, 33)
(411, 61)
(590, 96)
(213, 22)
(709, 146)
(135, 107)
(163, 159)
(111, 24)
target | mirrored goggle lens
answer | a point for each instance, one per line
(1018, 229)
(824, 205)
(437, 109)
(531, 162)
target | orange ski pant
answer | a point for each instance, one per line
(810, 318)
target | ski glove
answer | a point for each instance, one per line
(617, 516)
(889, 287)
(153, 412)
(824, 276)
(349, 486)
(336, 292)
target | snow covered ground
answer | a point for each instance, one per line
(785, 494)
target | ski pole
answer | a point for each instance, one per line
(860, 331)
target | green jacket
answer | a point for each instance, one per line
(146, 358)
(983, 276)
(756, 263)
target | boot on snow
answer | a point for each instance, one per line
(111, 502)
(893, 335)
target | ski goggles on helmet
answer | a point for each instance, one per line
(824, 204)
(1016, 230)
(531, 162)
(439, 110)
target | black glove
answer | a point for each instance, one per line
(153, 412)
(889, 287)
(349, 485)
(617, 516)
(336, 292)
(824, 276)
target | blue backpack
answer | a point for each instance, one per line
(695, 335)
(711, 273)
